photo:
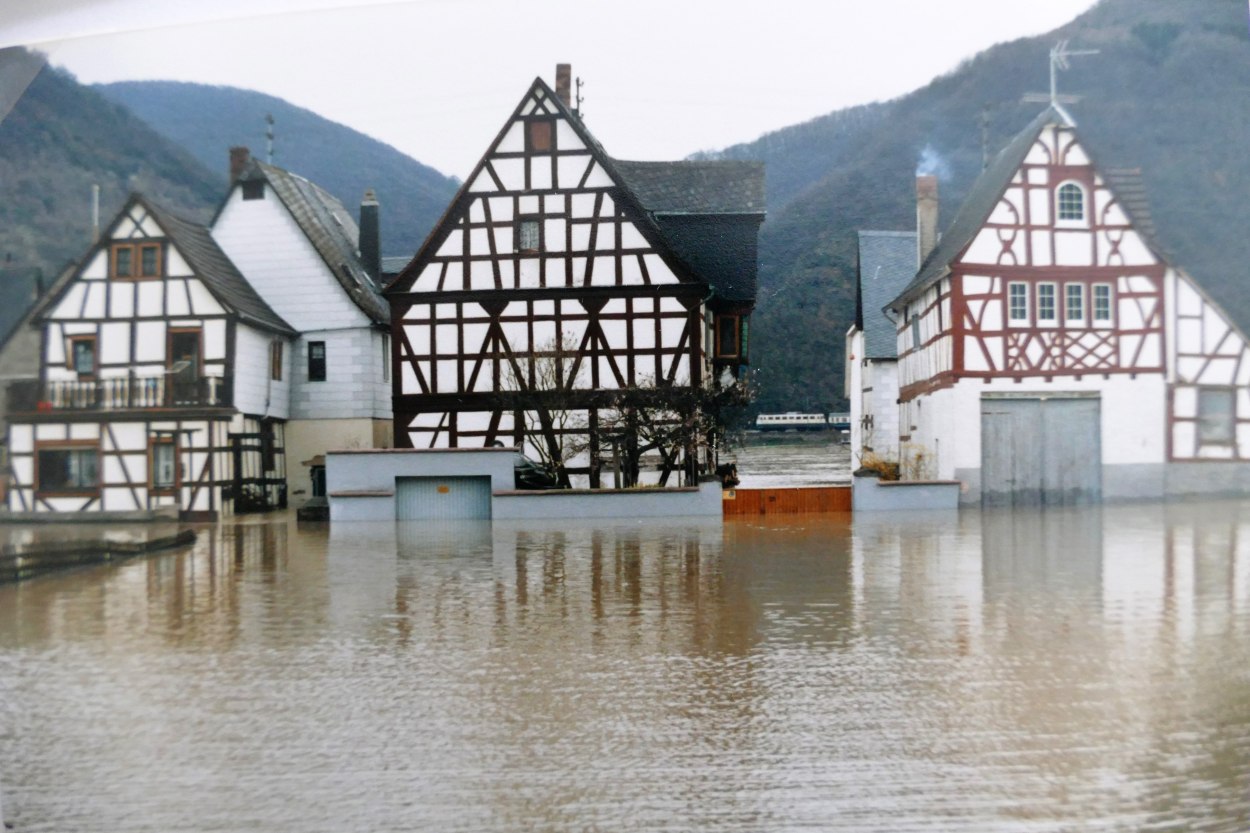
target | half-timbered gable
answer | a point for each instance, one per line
(154, 351)
(305, 255)
(564, 294)
(1048, 313)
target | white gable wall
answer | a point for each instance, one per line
(255, 391)
(270, 249)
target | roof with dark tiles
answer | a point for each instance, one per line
(332, 231)
(211, 265)
(703, 187)
(887, 262)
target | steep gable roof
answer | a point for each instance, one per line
(663, 198)
(983, 196)
(887, 261)
(331, 230)
(210, 264)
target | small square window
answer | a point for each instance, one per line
(149, 261)
(1217, 416)
(82, 355)
(253, 189)
(316, 361)
(540, 136)
(1102, 302)
(123, 262)
(1074, 303)
(1017, 302)
(164, 464)
(1071, 202)
(529, 235)
(67, 470)
(1045, 302)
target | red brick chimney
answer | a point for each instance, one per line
(239, 157)
(926, 216)
(564, 83)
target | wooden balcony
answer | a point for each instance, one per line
(119, 394)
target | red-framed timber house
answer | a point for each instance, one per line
(162, 381)
(582, 307)
(1049, 352)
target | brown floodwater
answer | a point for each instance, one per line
(1029, 671)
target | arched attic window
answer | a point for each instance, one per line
(1070, 204)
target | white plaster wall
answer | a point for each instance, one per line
(353, 387)
(1134, 418)
(254, 391)
(854, 384)
(280, 263)
(880, 395)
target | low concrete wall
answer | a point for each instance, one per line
(869, 494)
(361, 487)
(361, 483)
(623, 504)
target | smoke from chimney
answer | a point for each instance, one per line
(564, 83)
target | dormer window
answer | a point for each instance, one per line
(135, 261)
(1070, 203)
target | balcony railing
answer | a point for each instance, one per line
(120, 393)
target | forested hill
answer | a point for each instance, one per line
(1169, 93)
(208, 120)
(58, 140)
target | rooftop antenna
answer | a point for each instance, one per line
(269, 138)
(578, 101)
(1059, 55)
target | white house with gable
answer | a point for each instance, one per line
(304, 254)
(1049, 353)
(163, 382)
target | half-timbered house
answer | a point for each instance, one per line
(1049, 352)
(162, 381)
(304, 254)
(588, 309)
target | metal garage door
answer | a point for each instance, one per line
(441, 498)
(1040, 451)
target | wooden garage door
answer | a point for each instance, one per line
(1040, 451)
(441, 498)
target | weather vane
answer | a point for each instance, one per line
(1059, 55)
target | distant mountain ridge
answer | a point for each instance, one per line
(208, 120)
(1167, 93)
(59, 139)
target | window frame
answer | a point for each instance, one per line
(1095, 319)
(1081, 221)
(72, 341)
(1023, 318)
(1052, 307)
(66, 447)
(1079, 318)
(136, 250)
(521, 221)
(275, 360)
(1224, 433)
(252, 189)
(534, 141)
(164, 441)
(316, 362)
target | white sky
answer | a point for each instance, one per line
(437, 78)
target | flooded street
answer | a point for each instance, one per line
(1047, 671)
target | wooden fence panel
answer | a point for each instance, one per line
(795, 501)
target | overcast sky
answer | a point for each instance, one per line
(437, 78)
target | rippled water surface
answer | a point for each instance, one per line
(1081, 670)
